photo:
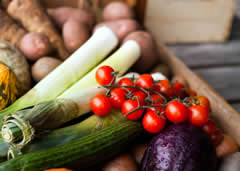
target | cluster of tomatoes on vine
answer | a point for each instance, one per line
(154, 102)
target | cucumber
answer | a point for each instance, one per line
(83, 152)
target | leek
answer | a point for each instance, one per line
(120, 61)
(102, 42)
(18, 129)
(84, 152)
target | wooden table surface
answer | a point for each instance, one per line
(217, 63)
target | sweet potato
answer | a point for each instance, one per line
(62, 14)
(149, 53)
(74, 34)
(116, 11)
(33, 17)
(35, 45)
(121, 27)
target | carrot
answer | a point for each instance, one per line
(9, 30)
(34, 18)
(60, 169)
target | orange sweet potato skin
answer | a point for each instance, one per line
(34, 18)
(9, 30)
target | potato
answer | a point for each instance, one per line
(74, 34)
(149, 53)
(120, 27)
(43, 67)
(230, 163)
(62, 14)
(116, 11)
(123, 162)
(35, 45)
(138, 152)
(227, 146)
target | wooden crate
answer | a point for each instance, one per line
(222, 112)
(173, 21)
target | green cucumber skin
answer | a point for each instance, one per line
(85, 151)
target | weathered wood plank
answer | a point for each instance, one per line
(224, 79)
(236, 106)
(208, 54)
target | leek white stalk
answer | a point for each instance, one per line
(102, 42)
(19, 127)
(120, 61)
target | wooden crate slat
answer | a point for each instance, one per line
(224, 80)
(208, 54)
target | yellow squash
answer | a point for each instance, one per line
(8, 86)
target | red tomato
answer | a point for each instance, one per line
(117, 97)
(210, 127)
(217, 137)
(130, 105)
(153, 123)
(104, 75)
(126, 82)
(198, 115)
(145, 81)
(176, 112)
(190, 93)
(101, 105)
(178, 90)
(157, 98)
(141, 96)
(203, 101)
(164, 86)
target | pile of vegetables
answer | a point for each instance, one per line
(82, 111)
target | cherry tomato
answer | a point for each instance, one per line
(217, 137)
(176, 112)
(190, 93)
(101, 105)
(104, 75)
(145, 81)
(198, 115)
(153, 123)
(129, 106)
(141, 96)
(164, 86)
(157, 98)
(117, 97)
(210, 127)
(126, 82)
(179, 90)
(202, 100)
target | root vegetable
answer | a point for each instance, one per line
(123, 162)
(43, 67)
(149, 53)
(33, 17)
(226, 147)
(138, 152)
(116, 11)
(62, 14)
(9, 30)
(35, 45)
(162, 68)
(230, 163)
(75, 34)
(121, 27)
